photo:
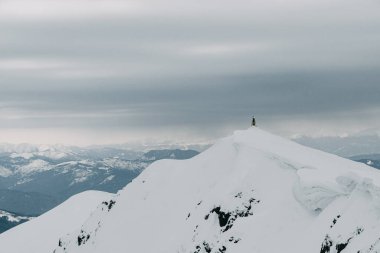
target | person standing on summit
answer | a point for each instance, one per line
(253, 121)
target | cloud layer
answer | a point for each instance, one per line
(113, 71)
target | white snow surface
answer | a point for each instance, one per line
(26, 156)
(27, 151)
(250, 192)
(5, 172)
(34, 166)
(107, 179)
(41, 234)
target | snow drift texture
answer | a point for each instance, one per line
(250, 192)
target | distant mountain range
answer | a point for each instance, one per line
(34, 179)
(372, 160)
(9, 220)
(348, 146)
(363, 147)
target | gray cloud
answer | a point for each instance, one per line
(163, 67)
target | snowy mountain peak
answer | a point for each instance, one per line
(250, 192)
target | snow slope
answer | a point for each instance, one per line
(41, 234)
(250, 192)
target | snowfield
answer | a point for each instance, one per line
(250, 192)
(41, 234)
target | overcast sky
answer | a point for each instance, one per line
(104, 71)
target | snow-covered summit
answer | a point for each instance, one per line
(250, 192)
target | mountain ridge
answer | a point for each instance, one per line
(245, 192)
(50, 181)
(250, 192)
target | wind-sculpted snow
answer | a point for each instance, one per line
(250, 192)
